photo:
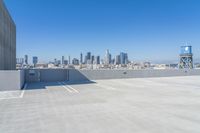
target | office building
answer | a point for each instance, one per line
(98, 59)
(88, 55)
(81, 58)
(26, 59)
(65, 62)
(107, 57)
(92, 59)
(35, 61)
(7, 39)
(123, 58)
(117, 60)
(75, 61)
(63, 59)
(69, 60)
(20, 61)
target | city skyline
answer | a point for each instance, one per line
(144, 29)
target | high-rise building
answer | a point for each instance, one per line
(35, 60)
(81, 58)
(69, 60)
(75, 61)
(92, 59)
(98, 59)
(63, 59)
(88, 59)
(110, 59)
(20, 61)
(65, 62)
(26, 59)
(117, 60)
(85, 60)
(123, 58)
(107, 57)
(7, 39)
(88, 55)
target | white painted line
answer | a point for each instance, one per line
(105, 87)
(9, 98)
(65, 87)
(71, 87)
(23, 91)
(11, 94)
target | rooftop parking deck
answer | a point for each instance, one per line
(141, 105)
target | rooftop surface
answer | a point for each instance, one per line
(148, 105)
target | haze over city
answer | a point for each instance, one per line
(144, 29)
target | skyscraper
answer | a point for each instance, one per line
(98, 59)
(107, 57)
(26, 59)
(117, 60)
(75, 61)
(63, 59)
(123, 58)
(81, 58)
(88, 58)
(7, 39)
(92, 59)
(35, 60)
(69, 60)
(88, 55)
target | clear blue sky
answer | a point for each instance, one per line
(150, 30)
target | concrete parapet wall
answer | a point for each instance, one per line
(74, 75)
(11, 80)
(46, 75)
(81, 75)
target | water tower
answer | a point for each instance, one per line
(186, 57)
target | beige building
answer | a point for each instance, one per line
(7, 40)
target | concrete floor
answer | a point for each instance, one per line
(149, 105)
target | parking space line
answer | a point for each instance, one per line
(9, 94)
(23, 91)
(71, 87)
(65, 87)
(68, 88)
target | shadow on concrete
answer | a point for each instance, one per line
(41, 85)
(74, 77)
(79, 82)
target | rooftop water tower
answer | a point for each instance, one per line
(186, 57)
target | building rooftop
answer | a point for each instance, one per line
(152, 105)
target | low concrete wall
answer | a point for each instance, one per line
(46, 75)
(83, 75)
(11, 80)
(74, 75)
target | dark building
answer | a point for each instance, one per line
(63, 59)
(98, 59)
(123, 58)
(117, 60)
(26, 59)
(92, 59)
(75, 61)
(7, 39)
(81, 58)
(35, 60)
(88, 55)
